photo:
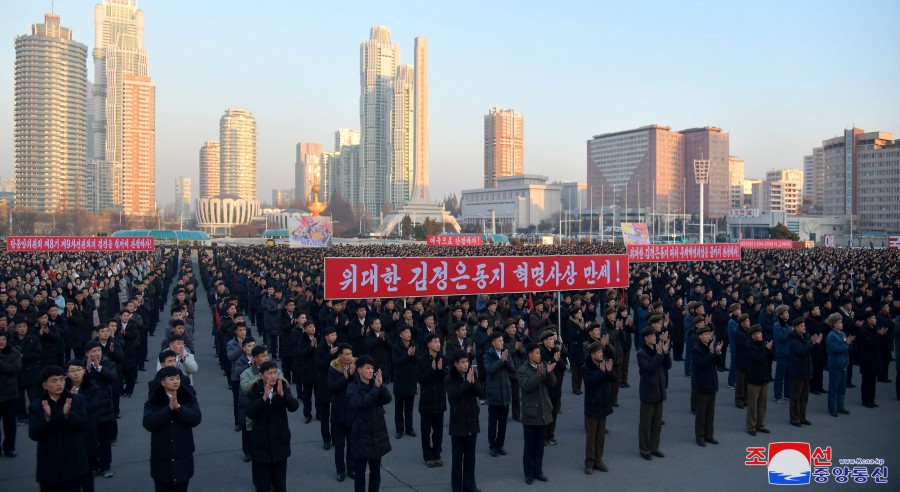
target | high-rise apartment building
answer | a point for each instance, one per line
(420, 161)
(403, 118)
(503, 144)
(237, 154)
(708, 143)
(50, 118)
(210, 167)
(182, 198)
(814, 180)
(878, 183)
(749, 184)
(331, 162)
(349, 175)
(379, 58)
(838, 190)
(643, 167)
(345, 136)
(735, 182)
(122, 86)
(282, 197)
(307, 169)
(783, 191)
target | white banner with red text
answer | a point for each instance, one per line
(766, 243)
(66, 243)
(683, 252)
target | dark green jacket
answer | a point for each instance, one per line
(536, 406)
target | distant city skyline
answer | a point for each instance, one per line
(768, 84)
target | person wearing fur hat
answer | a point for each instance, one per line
(598, 375)
(341, 370)
(554, 351)
(741, 337)
(782, 353)
(463, 391)
(498, 362)
(705, 379)
(756, 363)
(653, 363)
(801, 346)
(838, 346)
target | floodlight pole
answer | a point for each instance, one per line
(701, 176)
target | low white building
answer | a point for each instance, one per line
(808, 227)
(517, 202)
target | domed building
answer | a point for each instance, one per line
(217, 215)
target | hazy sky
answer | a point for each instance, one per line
(778, 76)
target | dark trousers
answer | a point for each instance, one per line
(650, 427)
(270, 477)
(576, 378)
(818, 379)
(799, 398)
(341, 435)
(551, 427)
(403, 413)
(32, 392)
(595, 438)
(756, 406)
(87, 482)
(516, 395)
(171, 487)
(287, 367)
(73, 485)
(141, 352)
(130, 380)
(626, 357)
(307, 390)
(432, 435)
(462, 469)
(106, 433)
(245, 439)
(740, 387)
(533, 454)
(497, 416)
(867, 389)
(706, 415)
(272, 344)
(884, 363)
(614, 385)
(323, 412)
(782, 377)
(236, 399)
(8, 415)
(359, 483)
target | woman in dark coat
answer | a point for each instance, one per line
(366, 397)
(404, 364)
(379, 347)
(170, 420)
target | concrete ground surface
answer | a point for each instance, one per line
(866, 433)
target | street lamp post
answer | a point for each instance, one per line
(701, 176)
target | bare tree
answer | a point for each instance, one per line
(23, 220)
(809, 227)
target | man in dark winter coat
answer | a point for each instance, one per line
(598, 374)
(535, 380)
(290, 321)
(404, 364)
(463, 391)
(50, 340)
(10, 363)
(170, 415)
(653, 363)
(326, 352)
(500, 368)
(740, 337)
(706, 380)
(801, 346)
(366, 397)
(30, 374)
(78, 384)
(304, 355)
(838, 347)
(431, 369)
(57, 422)
(339, 373)
(270, 440)
(871, 339)
(756, 358)
(102, 373)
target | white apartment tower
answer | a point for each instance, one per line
(345, 136)
(307, 169)
(182, 198)
(403, 118)
(209, 169)
(503, 145)
(50, 118)
(783, 191)
(735, 181)
(237, 154)
(379, 58)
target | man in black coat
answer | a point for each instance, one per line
(403, 356)
(757, 356)
(739, 354)
(366, 397)
(653, 363)
(463, 391)
(289, 320)
(598, 374)
(57, 422)
(102, 373)
(339, 373)
(30, 372)
(304, 354)
(50, 340)
(128, 333)
(706, 381)
(431, 369)
(326, 352)
(270, 440)
(871, 338)
(801, 346)
(170, 415)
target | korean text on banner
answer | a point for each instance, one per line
(357, 278)
(455, 240)
(766, 243)
(71, 243)
(683, 252)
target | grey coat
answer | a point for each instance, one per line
(497, 384)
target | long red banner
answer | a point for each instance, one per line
(67, 243)
(358, 278)
(455, 240)
(683, 252)
(766, 243)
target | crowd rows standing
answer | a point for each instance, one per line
(775, 317)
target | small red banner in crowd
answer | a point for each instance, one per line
(359, 278)
(766, 243)
(683, 252)
(455, 240)
(893, 242)
(64, 243)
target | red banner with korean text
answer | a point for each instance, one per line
(67, 243)
(683, 252)
(766, 243)
(455, 240)
(358, 278)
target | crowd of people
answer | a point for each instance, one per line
(74, 340)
